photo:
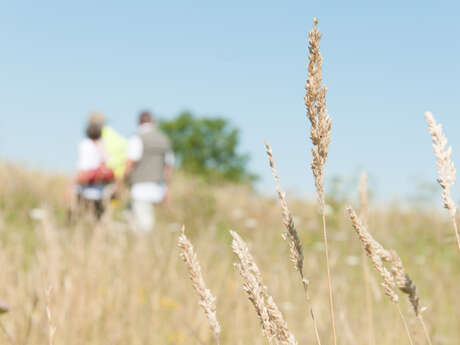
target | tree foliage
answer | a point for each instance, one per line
(208, 147)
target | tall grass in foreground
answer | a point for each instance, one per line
(378, 256)
(273, 325)
(291, 235)
(364, 212)
(446, 168)
(394, 278)
(320, 132)
(49, 316)
(207, 300)
(112, 287)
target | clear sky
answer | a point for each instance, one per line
(385, 63)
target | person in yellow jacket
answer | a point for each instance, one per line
(115, 147)
(114, 144)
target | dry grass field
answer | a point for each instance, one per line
(110, 286)
(85, 282)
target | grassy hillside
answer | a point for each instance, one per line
(110, 286)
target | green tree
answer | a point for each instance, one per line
(208, 147)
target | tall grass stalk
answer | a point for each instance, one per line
(407, 286)
(378, 255)
(402, 279)
(291, 235)
(425, 330)
(446, 168)
(364, 211)
(274, 326)
(207, 300)
(7, 334)
(49, 316)
(320, 133)
(404, 322)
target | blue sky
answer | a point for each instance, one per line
(384, 65)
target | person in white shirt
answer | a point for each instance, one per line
(148, 170)
(92, 173)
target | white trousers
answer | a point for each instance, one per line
(144, 215)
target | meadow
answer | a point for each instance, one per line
(110, 286)
(82, 281)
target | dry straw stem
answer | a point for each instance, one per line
(397, 278)
(207, 300)
(274, 327)
(445, 166)
(320, 133)
(295, 246)
(51, 326)
(406, 327)
(7, 334)
(407, 286)
(315, 101)
(404, 283)
(377, 254)
(4, 308)
(364, 210)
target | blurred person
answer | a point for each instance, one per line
(148, 170)
(92, 171)
(114, 144)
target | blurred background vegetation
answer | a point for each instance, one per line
(208, 146)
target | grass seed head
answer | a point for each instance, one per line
(274, 327)
(291, 235)
(315, 102)
(445, 165)
(207, 300)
